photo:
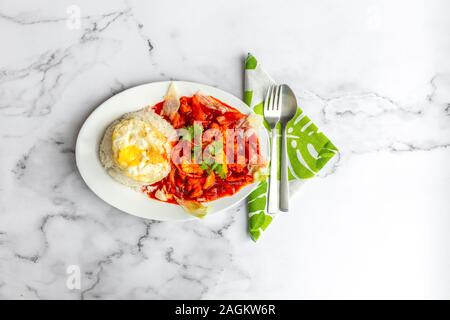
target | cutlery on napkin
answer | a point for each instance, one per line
(303, 137)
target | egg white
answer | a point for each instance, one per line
(129, 131)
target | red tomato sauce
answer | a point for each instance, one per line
(194, 180)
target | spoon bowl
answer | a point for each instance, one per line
(288, 104)
(288, 111)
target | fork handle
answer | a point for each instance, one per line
(273, 178)
(284, 187)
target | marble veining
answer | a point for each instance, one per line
(360, 75)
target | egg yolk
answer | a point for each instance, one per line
(129, 156)
(155, 156)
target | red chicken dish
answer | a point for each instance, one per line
(217, 154)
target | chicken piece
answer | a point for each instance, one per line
(185, 107)
(211, 103)
(209, 182)
(196, 192)
(178, 121)
(172, 177)
(197, 111)
(236, 167)
(215, 126)
(191, 168)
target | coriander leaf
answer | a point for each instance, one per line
(214, 166)
(218, 168)
(204, 166)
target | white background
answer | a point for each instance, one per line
(373, 75)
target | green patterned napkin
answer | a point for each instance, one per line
(308, 149)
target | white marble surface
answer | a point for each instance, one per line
(374, 75)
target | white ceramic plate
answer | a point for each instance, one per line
(122, 197)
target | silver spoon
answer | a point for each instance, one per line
(288, 110)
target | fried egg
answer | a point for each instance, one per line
(136, 148)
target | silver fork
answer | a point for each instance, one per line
(272, 114)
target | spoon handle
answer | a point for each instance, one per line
(284, 187)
